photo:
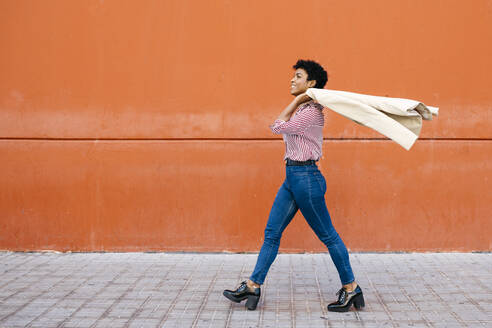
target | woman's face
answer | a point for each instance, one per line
(299, 83)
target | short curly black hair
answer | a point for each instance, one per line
(314, 71)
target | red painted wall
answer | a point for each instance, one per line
(143, 125)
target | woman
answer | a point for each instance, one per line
(301, 124)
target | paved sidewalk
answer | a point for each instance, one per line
(185, 290)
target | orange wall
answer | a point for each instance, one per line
(143, 125)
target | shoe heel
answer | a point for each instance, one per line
(252, 302)
(359, 302)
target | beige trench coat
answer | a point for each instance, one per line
(396, 118)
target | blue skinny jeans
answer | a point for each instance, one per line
(304, 188)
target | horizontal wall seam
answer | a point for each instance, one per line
(231, 139)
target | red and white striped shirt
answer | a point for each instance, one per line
(303, 132)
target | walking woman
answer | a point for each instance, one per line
(301, 124)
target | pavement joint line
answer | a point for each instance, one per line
(383, 304)
(138, 311)
(331, 265)
(24, 289)
(470, 299)
(207, 294)
(158, 286)
(231, 305)
(89, 299)
(277, 310)
(262, 308)
(292, 304)
(219, 296)
(307, 304)
(404, 292)
(194, 290)
(17, 278)
(324, 310)
(62, 298)
(306, 300)
(356, 314)
(454, 314)
(118, 300)
(173, 304)
(163, 279)
(29, 259)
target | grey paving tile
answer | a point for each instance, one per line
(185, 289)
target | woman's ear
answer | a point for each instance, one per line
(311, 83)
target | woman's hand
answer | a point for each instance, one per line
(290, 109)
(302, 98)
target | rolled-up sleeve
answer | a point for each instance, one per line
(298, 123)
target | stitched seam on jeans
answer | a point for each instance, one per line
(320, 185)
(270, 248)
(322, 224)
(347, 267)
(312, 206)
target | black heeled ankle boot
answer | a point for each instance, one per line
(345, 300)
(242, 293)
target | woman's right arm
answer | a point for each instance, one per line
(289, 110)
